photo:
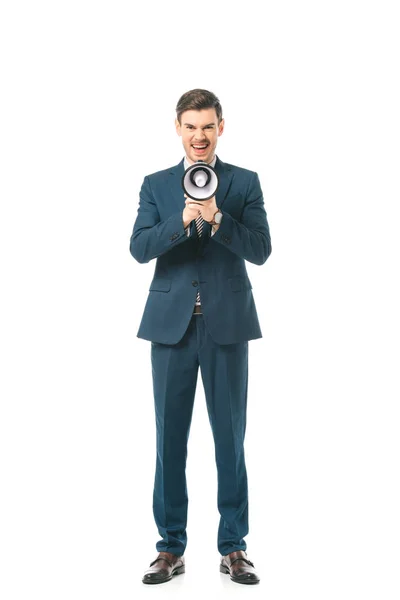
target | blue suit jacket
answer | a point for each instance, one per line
(214, 264)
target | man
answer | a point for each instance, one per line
(200, 312)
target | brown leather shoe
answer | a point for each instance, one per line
(240, 568)
(165, 565)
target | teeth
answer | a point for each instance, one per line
(200, 147)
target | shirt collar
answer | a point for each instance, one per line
(186, 163)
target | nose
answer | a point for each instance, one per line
(199, 136)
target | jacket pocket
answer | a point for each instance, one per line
(160, 285)
(238, 283)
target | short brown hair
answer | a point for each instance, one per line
(197, 100)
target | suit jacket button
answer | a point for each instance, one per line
(195, 283)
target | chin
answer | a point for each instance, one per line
(204, 158)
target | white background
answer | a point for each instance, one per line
(310, 94)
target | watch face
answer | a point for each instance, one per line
(218, 217)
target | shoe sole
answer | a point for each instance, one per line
(177, 571)
(226, 571)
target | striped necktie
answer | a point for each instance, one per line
(199, 228)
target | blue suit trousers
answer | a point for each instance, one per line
(224, 372)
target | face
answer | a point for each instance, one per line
(199, 128)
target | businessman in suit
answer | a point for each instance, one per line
(200, 312)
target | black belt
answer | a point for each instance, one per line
(197, 310)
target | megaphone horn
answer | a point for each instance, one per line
(200, 181)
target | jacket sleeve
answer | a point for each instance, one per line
(250, 238)
(152, 237)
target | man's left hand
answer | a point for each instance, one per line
(207, 208)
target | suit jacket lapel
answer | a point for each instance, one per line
(225, 175)
(175, 184)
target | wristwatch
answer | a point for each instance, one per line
(217, 218)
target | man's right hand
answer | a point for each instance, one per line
(190, 212)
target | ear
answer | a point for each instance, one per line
(221, 127)
(177, 127)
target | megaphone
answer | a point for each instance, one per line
(200, 181)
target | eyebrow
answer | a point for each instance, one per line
(208, 125)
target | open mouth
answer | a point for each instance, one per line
(199, 148)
